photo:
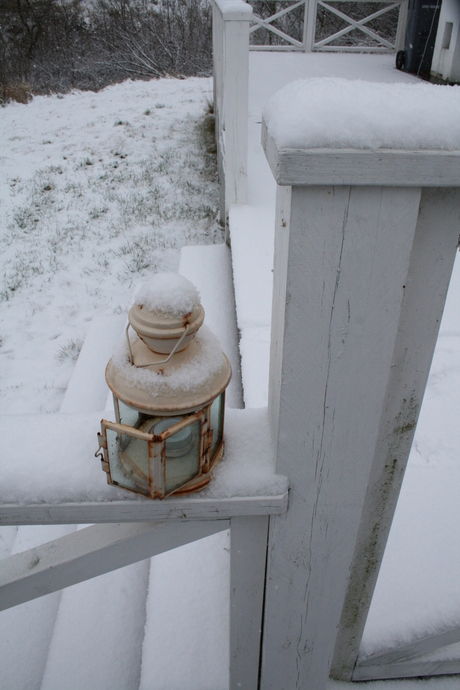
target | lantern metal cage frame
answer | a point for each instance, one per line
(153, 483)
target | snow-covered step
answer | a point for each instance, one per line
(26, 630)
(252, 237)
(111, 606)
(187, 622)
(87, 389)
(186, 643)
(209, 268)
(99, 626)
(97, 638)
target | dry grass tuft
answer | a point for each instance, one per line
(19, 92)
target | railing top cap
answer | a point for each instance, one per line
(340, 132)
(336, 113)
(53, 463)
(234, 9)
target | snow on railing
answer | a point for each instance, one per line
(231, 19)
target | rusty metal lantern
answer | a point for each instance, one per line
(168, 386)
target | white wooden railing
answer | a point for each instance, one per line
(232, 29)
(125, 531)
(303, 34)
(230, 36)
(365, 243)
(302, 26)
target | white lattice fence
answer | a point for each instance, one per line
(378, 30)
(284, 29)
(328, 25)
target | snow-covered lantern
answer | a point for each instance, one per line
(168, 386)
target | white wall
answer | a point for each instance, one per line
(446, 57)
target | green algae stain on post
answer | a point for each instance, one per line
(384, 498)
(407, 418)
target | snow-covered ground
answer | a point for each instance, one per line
(96, 191)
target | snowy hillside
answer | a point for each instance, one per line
(96, 190)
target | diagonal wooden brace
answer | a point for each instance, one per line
(90, 552)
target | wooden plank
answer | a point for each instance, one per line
(90, 552)
(347, 166)
(350, 261)
(235, 110)
(408, 669)
(354, 49)
(309, 29)
(233, 10)
(368, 2)
(264, 24)
(425, 290)
(402, 23)
(231, 21)
(426, 645)
(276, 49)
(248, 551)
(140, 510)
(274, 17)
(280, 267)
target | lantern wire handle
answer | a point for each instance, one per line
(162, 361)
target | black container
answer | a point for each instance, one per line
(422, 25)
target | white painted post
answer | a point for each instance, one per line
(248, 552)
(309, 29)
(231, 19)
(402, 24)
(364, 248)
(446, 56)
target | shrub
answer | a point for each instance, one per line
(57, 45)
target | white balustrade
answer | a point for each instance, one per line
(370, 35)
(446, 56)
(365, 243)
(231, 19)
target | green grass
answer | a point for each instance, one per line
(114, 216)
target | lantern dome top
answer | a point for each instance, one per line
(169, 294)
(167, 312)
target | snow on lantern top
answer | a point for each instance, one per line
(337, 113)
(166, 316)
(168, 293)
(192, 373)
(162, 309)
